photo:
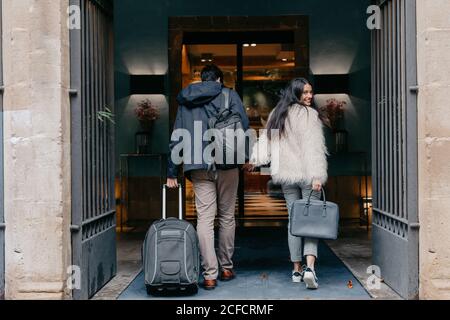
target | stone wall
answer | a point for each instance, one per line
(37, 148)
(433, 22)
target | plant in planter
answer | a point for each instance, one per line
(334, 111)
(147, 113)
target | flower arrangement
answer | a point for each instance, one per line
(334, 110)
(146, 111)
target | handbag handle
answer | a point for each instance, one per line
(324, 197)
(308, 203)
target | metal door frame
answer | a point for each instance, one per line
(394, 143)
(234, 30)
(93, 201)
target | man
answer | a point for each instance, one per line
(214, 193)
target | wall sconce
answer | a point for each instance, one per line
(331, 84)
(367, 206)
(367, 202)
(147, 84)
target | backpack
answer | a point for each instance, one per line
(226, 124)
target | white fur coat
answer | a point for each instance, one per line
(299, 156)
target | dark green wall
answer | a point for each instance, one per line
(339, 43)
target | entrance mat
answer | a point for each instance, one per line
(264, 271)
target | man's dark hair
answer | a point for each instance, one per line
(212, 72)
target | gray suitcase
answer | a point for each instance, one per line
(170, 254)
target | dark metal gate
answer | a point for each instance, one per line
(2, 221)
(93, 205)
(394, 120)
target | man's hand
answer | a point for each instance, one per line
(317, 185)
(172, 183)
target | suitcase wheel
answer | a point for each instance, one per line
(159, 291)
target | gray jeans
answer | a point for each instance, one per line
(300, 247)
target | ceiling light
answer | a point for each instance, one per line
(253, 44)
(206, 57)
(285, 55)
(246, 45)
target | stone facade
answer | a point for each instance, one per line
(433, 23)
(37, 148)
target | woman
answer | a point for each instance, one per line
(294, 144)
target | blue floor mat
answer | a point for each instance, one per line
(264, 272)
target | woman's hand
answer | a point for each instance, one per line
(248, 167)
(172, 183)
(317, 185)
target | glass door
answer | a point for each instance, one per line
(267, 68)
(258, 65)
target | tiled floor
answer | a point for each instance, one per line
(256, 204)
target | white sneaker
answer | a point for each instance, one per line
(297, 277)
(310, 279)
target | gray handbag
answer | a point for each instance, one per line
(314, 218)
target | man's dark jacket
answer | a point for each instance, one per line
(192, 103)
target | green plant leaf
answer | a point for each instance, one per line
(106, 115)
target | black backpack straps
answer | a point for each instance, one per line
(210, 113)
(226, 106)
(226, 94)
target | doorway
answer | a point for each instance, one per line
(390, 223)
(258, 65)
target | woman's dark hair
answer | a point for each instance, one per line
(291, 95)
(211, 72)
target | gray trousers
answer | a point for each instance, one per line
(300, 247)
(216, 197)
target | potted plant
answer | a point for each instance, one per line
(146, 113)
(334, 111)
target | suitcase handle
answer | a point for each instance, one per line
(180, 202)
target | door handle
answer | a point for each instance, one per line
(75, 228)
(414, 225)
